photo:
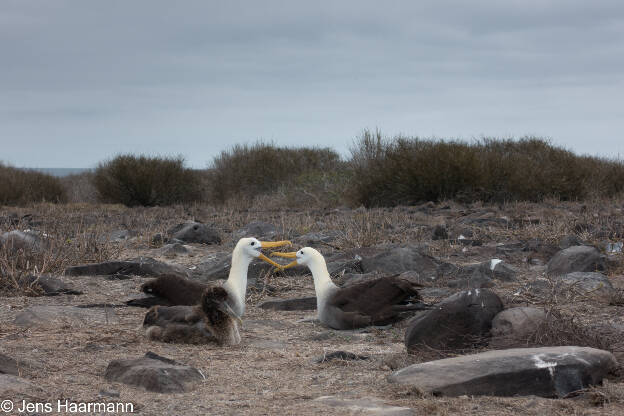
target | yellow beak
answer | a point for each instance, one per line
(271, 244)
(291, 255)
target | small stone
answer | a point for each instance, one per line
(440, 233)
(108, 393)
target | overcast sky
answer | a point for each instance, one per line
(81, 81)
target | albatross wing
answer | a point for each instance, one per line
(374, 302)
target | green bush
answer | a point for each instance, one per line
(389, 172)
(148, 181)
(19, 187)
(247, 171)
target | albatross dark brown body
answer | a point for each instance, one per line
(173, 290)
(380, 301)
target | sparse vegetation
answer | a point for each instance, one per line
(66, 237)
(80, 188)
(22, 187)
(381, 172)
(406, 171)
(148, 181)
(248, 171)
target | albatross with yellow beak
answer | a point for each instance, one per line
(378, 301)
(176, 290)
(216, 304)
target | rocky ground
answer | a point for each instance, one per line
(561, 260)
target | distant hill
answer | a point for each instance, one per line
(60, 172)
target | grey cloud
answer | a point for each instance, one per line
(192, 77)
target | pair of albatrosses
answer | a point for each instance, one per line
(378, 301)
(218, 307)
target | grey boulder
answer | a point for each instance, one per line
(13, 386)
(46, 286)
(402, 259)
(546, 372)
(576, 259)
(37, 316)
(317, 238)
(21, 240)
(258, 229)
(516, 324)
(458, 322)
(194, 232)
(141, 266)
(594, 285)
(173, 250)
(8, 365)
(492, 269)
(154, 373)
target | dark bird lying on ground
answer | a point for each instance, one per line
(379, 301)
(211, 321)
(171, 290)
(174, 290)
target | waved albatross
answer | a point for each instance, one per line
(175, 290)
(211, 320)
(374, 302)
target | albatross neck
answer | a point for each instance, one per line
(323, 284)
(237, 281)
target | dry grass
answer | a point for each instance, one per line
(272, 372)
(66, 238)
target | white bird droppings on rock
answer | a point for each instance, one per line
(540, 363)
(494, 262)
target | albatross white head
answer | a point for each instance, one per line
(307, 256)
(246, 250)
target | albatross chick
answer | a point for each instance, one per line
(212, 320)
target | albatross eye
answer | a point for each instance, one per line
(253, 243)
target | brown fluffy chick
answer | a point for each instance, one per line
(211, 321)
